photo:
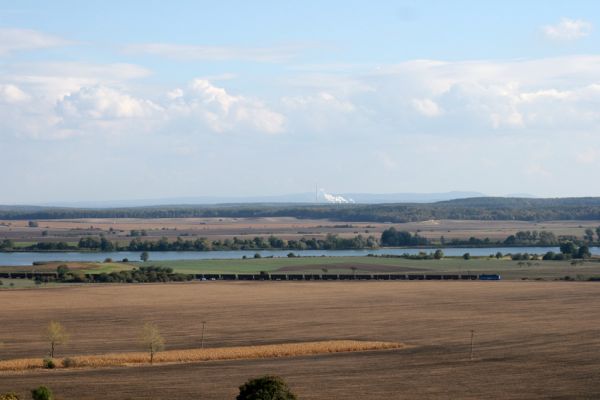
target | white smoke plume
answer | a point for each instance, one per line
(335, 199)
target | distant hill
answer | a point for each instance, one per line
(303, 198)
(477, 208)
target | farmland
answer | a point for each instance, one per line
(532, 339)
(120, 229)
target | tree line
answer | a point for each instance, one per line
(480, 208)
(390, 237)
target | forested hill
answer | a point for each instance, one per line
(480, 208)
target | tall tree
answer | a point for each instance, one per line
(152, 340)
(56, 334)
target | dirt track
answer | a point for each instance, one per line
(532, 339)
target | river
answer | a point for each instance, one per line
(27, 258)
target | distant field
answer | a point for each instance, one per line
(533, 340)
(70, 230)
(508, 268)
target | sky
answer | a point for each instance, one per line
(114, 100)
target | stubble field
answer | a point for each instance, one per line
(532, 339)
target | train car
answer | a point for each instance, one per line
(312, 277)
(364, 277)
(450, 277)
(489, 277)
(433, 277)
(278, 277)
(415, 277)
(381, 277)
(246, 277)
(469, 277)
(211, 277)
(397, 277)
(295, 277)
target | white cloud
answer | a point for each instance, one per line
(103, 103)
(12, 94)
(427, 107)
(220, 111)
(568, 29)
(479, 97)
(12, 39)
(215, 53)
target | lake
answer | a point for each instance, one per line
(27, 258)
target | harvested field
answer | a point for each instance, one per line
(71, 230)
(532, 339)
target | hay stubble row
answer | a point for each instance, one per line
(209, 354)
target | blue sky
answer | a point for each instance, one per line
(106, 100)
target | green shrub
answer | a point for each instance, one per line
(69, 362)
(42, 393)
(266, 388)
(49, 363)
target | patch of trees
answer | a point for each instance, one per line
(141, 275)
(49, 246)
(532, 238)
(331, 242)
(6, 244)
(394, 238)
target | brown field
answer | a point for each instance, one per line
(532, 339)
(71, 230)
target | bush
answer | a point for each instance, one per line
(68, 362)
(42, 393)
(266, 387)
(108, 260)
(467, 256)
(49, 363)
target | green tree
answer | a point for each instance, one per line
(589, 235)
(266, 388)
(144, 256)
(62, 271)
(7, 244)
(584, 252)
(56, 334)
(467, 256)
(152, 340)
(438, 255)
(42, 393)
(568, 248)
(498, 255)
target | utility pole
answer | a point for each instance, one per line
(202, 339)
(472, 334)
